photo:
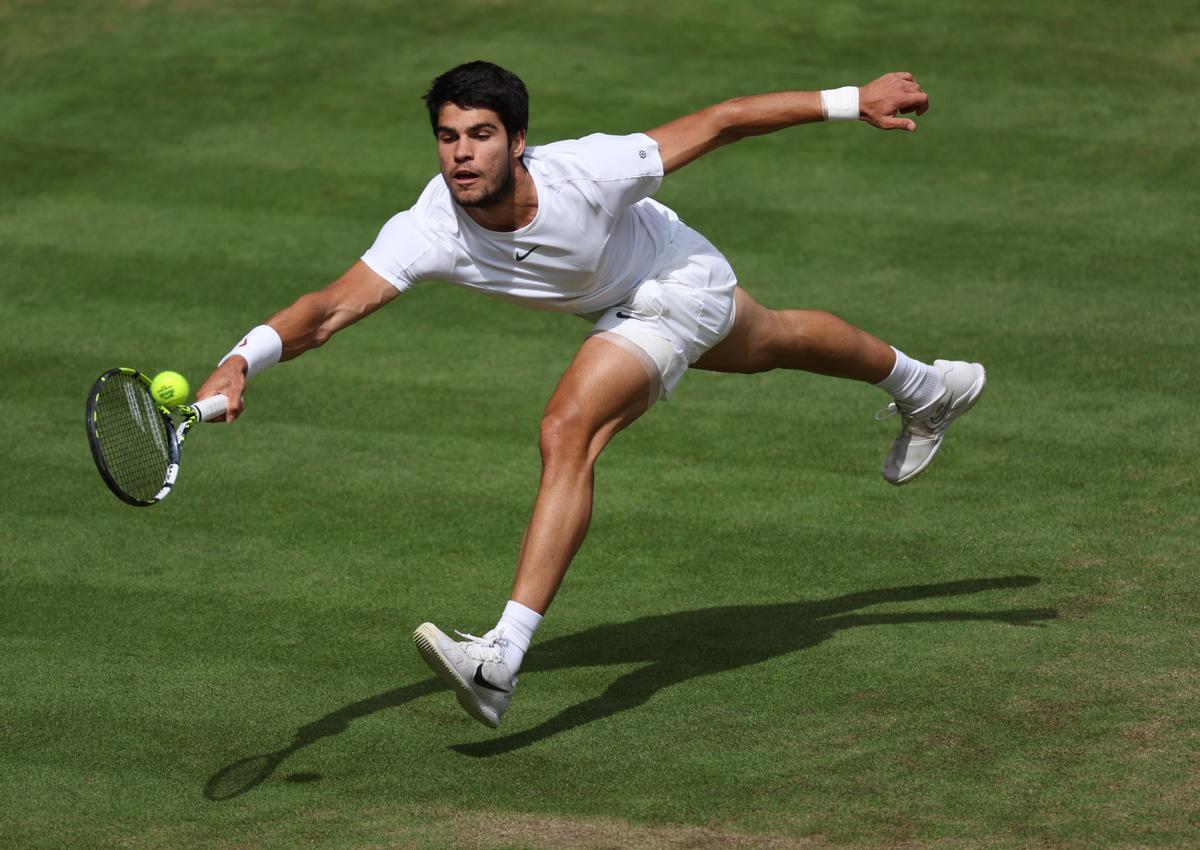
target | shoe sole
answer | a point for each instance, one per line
(964, 404)
(426, 640)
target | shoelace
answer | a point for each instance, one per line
(886, 412)
(486, 648)
(914, 422)
(893, 409)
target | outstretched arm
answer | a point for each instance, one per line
(690, 137)
(307, 323)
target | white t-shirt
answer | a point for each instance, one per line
(595, 237)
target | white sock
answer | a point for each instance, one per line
(519, 625)
(912, 383)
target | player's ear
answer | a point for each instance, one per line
(517, 144)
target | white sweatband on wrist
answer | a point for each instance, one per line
(840, 104)
(262, 347)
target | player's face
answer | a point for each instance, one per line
(476, 157)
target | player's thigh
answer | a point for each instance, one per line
(604, 389)
(749, 344)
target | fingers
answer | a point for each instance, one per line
(917, 102)
(228, 380)
(236, 404)
(892, 95)
(889, 122)
(914, 98)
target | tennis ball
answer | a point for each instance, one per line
(169, 389)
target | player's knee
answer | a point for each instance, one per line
(794, 334)
(778, 337)
(564, 433)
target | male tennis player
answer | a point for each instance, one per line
(570, 227)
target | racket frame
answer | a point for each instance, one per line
(176, 434)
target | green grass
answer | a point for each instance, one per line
(761, 644)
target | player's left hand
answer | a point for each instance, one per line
(898, 93)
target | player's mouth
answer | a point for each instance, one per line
(465, 179)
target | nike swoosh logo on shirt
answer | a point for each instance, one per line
(484, 683)
(519, 256)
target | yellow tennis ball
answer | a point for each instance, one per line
(170, 389)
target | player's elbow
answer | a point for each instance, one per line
(726, 119)
(332, 322)
(312, 320)
(738, 119)
(320, 336)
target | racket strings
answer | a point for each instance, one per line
(132, 436)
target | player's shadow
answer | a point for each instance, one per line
(673, 647)
(689, 644)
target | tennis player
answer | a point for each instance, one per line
(570, 227)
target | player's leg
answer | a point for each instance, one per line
(810, 340)
(927, 397)
(605, 388)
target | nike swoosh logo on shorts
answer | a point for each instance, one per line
(484, 683)
(621, 315)
(519, 256)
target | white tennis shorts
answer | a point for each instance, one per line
(671, 319)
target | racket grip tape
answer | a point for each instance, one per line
(211, 407)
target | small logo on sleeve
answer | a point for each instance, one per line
(641, 154)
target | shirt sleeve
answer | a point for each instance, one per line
(403, 252)
(624, 169)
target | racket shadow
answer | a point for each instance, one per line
(248, 773)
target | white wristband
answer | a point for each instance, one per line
(840, 104)
(262, 347)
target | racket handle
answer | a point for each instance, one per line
(211, 407)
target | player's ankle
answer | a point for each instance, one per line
(518, 624)
(912, 383)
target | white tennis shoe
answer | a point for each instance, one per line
(474, 668)
(922, 429)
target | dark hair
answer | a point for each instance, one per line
(481, 85)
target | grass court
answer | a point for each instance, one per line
(761, 643)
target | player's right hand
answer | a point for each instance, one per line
(229, 380)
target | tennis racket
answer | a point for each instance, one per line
(135, 441)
